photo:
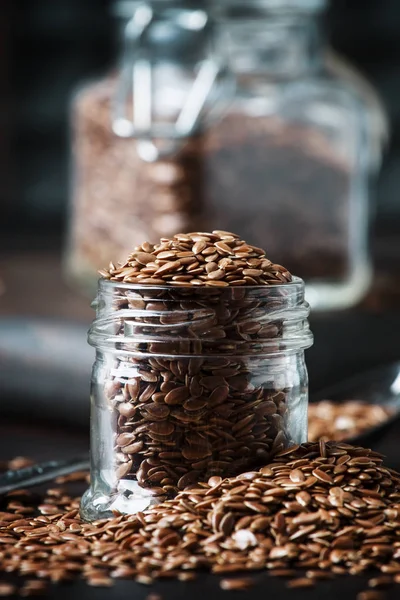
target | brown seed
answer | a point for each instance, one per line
(322, 476)
(301, 582)
(218, 395)
(144, 579)
(123, 469)
(168, 268)
(100, 581)
(187, 576)
(126, 409)
(165, 255)
(283, 573)
(196, 452)
(297, 476)
(216, 274)
(243, 583)
(20, 462)
(224, 248)
(177, 396)
(162, 428)
(198, 247)
(252, 272)
(370, 595)
(226, 524)
(124, 439)
(211, 266)
(7, 589)
(133, 448)
(383, 581)
(217, 283)
(313, 574)
(144, 257)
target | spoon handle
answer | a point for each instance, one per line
(41, 473)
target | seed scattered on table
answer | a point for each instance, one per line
(301, 582)
(100, 581)
(33, 587)
(244, 583)
(7, 589)
(380, 582)
(20, 462)
(227, 526)
(370, 595)
(339, 421)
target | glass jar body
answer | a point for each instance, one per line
(195, 385)
(288, 167)
(117, 198)
(292, 163)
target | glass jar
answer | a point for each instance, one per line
(191, 383)
(135, 136)
(301, 143)
(236, 120)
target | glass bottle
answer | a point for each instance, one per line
(291, 162)
(190, 383)
(135, 137)
(235, 119)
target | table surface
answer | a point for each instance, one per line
(356, 341)
(41, 443)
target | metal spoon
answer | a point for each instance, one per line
(41, 473)
(379, 386)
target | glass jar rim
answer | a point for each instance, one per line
(106, 283)
(143, 320)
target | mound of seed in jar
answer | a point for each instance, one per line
(181, 420)
(317, 511)
(340, 421)
(216, 259)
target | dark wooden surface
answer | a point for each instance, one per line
(33, 287)
(17, 438)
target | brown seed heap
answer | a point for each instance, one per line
(328, 509)
(176, 431)
(216, 259)
(340, 421)
(182, 420)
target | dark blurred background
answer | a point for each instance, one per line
(48, 48)
(51, 46)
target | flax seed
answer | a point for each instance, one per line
(329, 420)
(7, 589)
(370, 595)
(217, 526)
(301, 582)
(244, 583)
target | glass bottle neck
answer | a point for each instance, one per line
(282, 47)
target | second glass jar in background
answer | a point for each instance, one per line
(191, 383)
(286, 159)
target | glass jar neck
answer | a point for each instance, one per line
(281, 46)
(161, 320)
